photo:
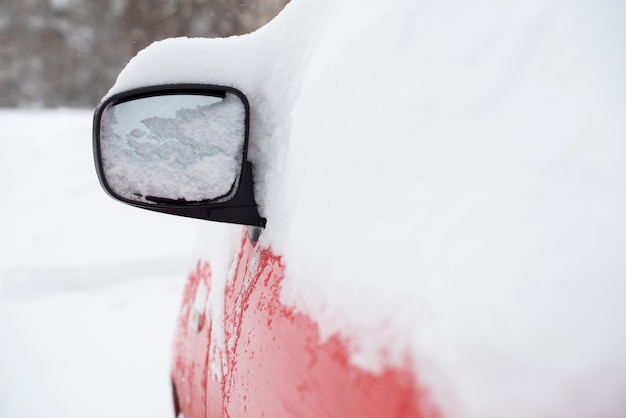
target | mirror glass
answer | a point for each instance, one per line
(168, 148)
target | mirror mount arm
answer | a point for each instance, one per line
(242, 209)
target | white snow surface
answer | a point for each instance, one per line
(159, 147)
(89, 288)
(446, 181)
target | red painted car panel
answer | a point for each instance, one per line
(276, 365)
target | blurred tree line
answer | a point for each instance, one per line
(69, 52)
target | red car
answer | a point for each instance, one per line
(431, 201)
(182, 149)
(273, 362)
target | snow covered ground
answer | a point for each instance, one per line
(89, 288)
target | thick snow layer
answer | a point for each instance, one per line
(446, 181)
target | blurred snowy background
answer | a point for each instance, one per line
(89, 288)
(69, 52)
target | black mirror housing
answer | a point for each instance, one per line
(234, 201)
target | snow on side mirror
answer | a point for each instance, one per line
(177, 149)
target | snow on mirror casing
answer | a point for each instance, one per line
(173, 148)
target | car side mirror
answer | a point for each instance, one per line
(178, 149)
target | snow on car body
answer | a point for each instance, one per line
(444, 196)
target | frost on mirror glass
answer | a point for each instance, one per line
(173, 148)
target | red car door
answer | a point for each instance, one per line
(191, 344)
(275, 363)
